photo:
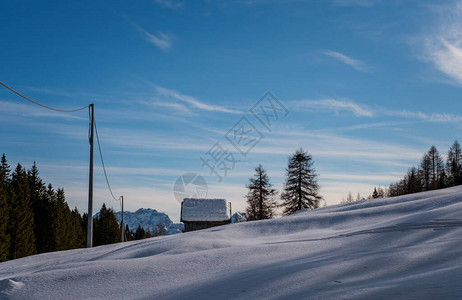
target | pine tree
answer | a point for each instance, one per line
(301, 187)
(4, 216)
(443, 180)
(381, 192)
(21, 227)
(436, 167)
(425, 172)
(41, 210)
(349, 198)
(77, 234)
(107, 230)
(48, 241)
(62, 222)
(84, 225)
(140, 233)
(393, 190)
(454, 164)
(4, 209)
(413, 182)
(260, 197)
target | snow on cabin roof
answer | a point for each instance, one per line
(205, 210)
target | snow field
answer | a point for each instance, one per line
(403, 247)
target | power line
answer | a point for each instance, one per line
(102, 162)
(90, 138)
(39, 104)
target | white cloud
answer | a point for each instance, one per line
(331, 146)
(363, 111)
(169, 4)
(336, 105)
(35, 111)
(433, 117)
(372, 178)
(443, 46)
(446, 56)
(162, 41)
(150, 141)
(63, 93)
(193, 101)
(176, 106)
(395, 125)
(354, 63)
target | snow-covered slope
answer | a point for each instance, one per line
(408, 247)
(148, 219)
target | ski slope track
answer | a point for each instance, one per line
(408, 247)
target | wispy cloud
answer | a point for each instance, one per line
(176, 106)
(169, 4)
(30, 110)
(374, 178)
(433, 117)
(359, 110)
(161, 40)
(394, 125)
(48, 91)
(327, 144)
(148, 141)
(63, 93)
(364, 3)
(443, 47)
(354, 63)
(446, 56)
(336, 106)
(193, 101)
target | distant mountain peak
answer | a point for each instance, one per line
(146, 210)
(148, 218)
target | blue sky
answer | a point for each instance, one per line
(368, 86)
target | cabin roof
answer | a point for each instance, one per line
(210, 210)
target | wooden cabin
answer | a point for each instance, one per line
(199, 214)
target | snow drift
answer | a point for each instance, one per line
(403, 247)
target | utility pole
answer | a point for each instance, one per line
(90, 180)
(123, 226)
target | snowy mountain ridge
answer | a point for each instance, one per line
(148, 218)
(406, 247)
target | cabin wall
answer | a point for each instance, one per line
(192, 226)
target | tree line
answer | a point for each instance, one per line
(140, 233)
(431, 173)
(378, 192)
(35, 218)
(300, 189)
